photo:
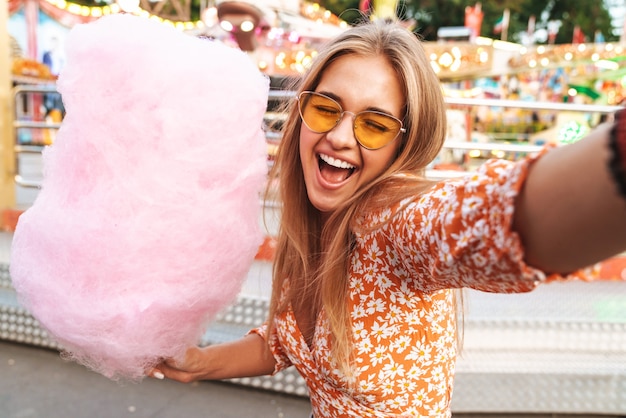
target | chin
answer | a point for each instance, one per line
(323, 206)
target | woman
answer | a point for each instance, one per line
(369, 252)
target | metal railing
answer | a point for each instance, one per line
(19, 92)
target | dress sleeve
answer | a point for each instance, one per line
(282, 360)
(459, 234)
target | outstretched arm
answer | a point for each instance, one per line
(570, 213)
(248, 356)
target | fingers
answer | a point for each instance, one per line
(184, 369)
(170, 362)
(156, 374)
(165, 371)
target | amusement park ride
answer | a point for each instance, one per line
(526, 357)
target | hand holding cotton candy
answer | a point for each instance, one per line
(148, 218)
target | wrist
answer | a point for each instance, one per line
(207, 363)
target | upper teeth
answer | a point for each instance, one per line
(335, 162)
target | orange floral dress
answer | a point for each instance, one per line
(402, 308)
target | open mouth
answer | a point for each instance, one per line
(334, 170)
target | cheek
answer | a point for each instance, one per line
(379, 160)
(303, 146)
(308, 140)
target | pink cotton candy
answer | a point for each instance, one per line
(148, 218)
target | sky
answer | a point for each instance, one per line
(617, 9)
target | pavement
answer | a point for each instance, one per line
(38, 383)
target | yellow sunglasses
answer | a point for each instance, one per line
(372, 129)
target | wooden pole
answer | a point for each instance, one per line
(7, 153)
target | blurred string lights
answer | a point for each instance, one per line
(602, 55)
(119, 6)
(460, 58)
(293, 35)
(591, 67)
(209, 17)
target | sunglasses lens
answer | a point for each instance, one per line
(320, 113)
(375, 130)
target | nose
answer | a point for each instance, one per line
(342, 135)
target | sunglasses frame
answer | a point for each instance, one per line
(341, 115)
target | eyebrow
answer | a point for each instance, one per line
(338, 100)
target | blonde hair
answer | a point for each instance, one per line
(312, 255)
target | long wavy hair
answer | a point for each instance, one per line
(313, 254)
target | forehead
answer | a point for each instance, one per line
(363, 81)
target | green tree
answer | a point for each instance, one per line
(430, 15)
(589, 15)
(347, 10)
